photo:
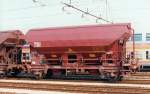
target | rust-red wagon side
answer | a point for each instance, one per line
(98, 50)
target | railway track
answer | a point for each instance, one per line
(138, 78)
(6, 93)
(144, 75)
(78, 87)
(133, 85)
(124, 81)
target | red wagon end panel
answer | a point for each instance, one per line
(94, 35)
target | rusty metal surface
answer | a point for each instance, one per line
(5, 35)
(94, 35)
(9, 41)
(81, 39)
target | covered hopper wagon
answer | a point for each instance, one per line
(94, 51)
(82, 51)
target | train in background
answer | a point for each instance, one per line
(96, 51)
(142, 53)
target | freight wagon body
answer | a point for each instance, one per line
(96, 50)
(10, 50)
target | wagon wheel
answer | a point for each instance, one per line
(120, 78)
(112, 79)
(49, 73)
(38, 76)
(43, 76)
(2, 75)
(115, 78)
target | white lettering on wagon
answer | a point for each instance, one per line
(37, 44)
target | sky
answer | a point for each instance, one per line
(26, 14)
